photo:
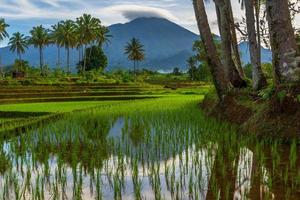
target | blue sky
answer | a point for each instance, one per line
(22, 15)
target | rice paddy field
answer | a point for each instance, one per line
(153, 143)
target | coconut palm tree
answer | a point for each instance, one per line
(217, 69)
(102, 36)
(283, 42)
(258, 78)
(40, 38)
(223, 15)
(3, 32)
(56, 39)
(18, 43)
(68, 38)
(135, 52)
(86, 28)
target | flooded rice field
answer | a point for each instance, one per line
(146, 149)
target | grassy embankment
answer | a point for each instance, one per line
(272, 113)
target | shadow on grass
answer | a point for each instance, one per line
(17, 114)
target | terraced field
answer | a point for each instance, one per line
(23, 106)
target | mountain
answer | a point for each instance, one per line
(167, 45)
(266, 54)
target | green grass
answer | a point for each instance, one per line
(54, 107)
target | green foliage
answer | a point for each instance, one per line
(176, 71)
(268, 70)
(281, 95)
(248, 70)
(21, 66)
(298, 98)
(96, 59)
(267, 93)
(122, 76)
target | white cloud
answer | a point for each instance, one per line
(131, 12)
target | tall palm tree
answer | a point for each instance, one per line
(217, 69)
(259, 80)
(68, 38)
(56, 39)
(283, 42)
(86, 28)
(135, 52)
(3, 32)
(18, 43)
(223, 15)
(102, 36)
(40, 38)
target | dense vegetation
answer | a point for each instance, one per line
(275, 88)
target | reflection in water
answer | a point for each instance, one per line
(244, 170)
(159, 156)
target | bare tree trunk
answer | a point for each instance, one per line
(58, 56)
(258, 78)
(217, 69)
(68, 60)
(41, 60)
(84, 60)
(235, 47)
(224, 26)
(257, 16)
(284, 48)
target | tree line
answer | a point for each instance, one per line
(86, 34)
(226, 68)
(83, 33)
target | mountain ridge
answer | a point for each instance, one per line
(167, 45)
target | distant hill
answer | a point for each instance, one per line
(167, 45)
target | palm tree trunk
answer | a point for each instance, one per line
(58, 56)
(225, 31)
(68, 60)
(234, 41)
(217, 70)
(283, 42)
(258, 78)
(84, 60)
(257, 16)
(41, 60)
(1, 67)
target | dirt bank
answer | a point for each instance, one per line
(277, 117)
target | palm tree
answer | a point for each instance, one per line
(136, 53)
(56, 39)
(223, 15)
(283, 42)
(40, 38)
(18, 43)
(235, 46)
(86, 28)
(259, 80)
(3, 32)
(68, 38)
(217, 69)
(102, 36)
